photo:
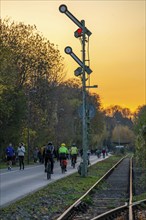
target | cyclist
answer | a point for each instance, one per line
(48, 155)
(63, 152)
(73, 153)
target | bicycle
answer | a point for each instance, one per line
(63, 165)
(48, 169)
(73, 161)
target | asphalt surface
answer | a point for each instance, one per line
(16, 183)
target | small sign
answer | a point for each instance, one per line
(90, 111)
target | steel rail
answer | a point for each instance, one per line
(130, 193)
(111, 212)
(73, 207)
(117, 210)
(138, 202)
(127, 207)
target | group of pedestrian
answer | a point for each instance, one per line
(42, 154)
(11, 154)
(103, 152)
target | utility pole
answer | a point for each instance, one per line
(85, 163)
(81, 32)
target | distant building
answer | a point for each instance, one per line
(119, 147)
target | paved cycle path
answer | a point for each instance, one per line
(17, 183)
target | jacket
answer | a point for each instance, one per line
(63, 150)
(73, 150)
(21, 151)
(9, 151)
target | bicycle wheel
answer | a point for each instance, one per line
(48, 175)
(73, 164)
(48, 170)
(62, 168)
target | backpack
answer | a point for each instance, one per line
(49, 150)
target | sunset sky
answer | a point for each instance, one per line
(117, 44)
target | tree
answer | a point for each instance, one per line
(34, 94)
(68, 99)
(115, 109)
(96, 124)
(29, 62)
(140, 131)
(115, 116)
(139, 118)
(34, 56)
(12, 111)
(122, 135)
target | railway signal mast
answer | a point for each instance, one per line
(82, 31)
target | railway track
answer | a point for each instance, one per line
(109, 198)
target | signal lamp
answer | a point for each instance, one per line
(68, 50)
(88, 70)
(78, 32)
(63, 8)
(78, 71)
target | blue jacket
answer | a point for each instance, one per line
(10, 151)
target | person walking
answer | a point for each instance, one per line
(9, 155)
(103, 152)
(98, 153)
(35, 155)
(21, 153)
